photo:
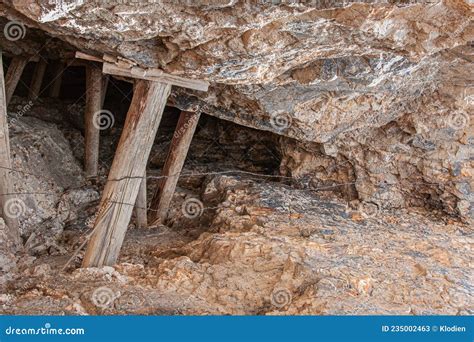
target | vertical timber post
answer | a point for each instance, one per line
(6, 187)
(37, 80)
(105, 84)
(141, 205)
(126, 173)
(94, 98)
(15, 70)
(55, 89)
(182, 137)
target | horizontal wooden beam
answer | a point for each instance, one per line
(118, 66)
(82, 55)
(155, 75)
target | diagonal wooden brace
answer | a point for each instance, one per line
(37, 80)
(178, 150)
(128, 168)
(15, 70)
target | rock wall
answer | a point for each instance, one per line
(384, 87)
(46, 176)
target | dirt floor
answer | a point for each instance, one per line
(239, 239)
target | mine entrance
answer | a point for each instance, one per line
(136, 162)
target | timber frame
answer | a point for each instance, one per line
(126, 183)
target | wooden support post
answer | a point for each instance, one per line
(128, 168)
(94, 100)
(37, 80)
(141, 205)
(105, 84)
(6, 188)
(15, 70)
(182, 137)
(55, 88)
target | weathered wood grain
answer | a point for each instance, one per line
(15, 70)
(182, 137)
(141, 205)
(94, 100)
(121, 190)
(37, 80)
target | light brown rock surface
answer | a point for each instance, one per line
(372, 104)
(270, 250)
(386, 87)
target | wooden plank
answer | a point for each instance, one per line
(55, 89)
(15, 70)
(109, 58)
(141, 205)
(128, 168)
(182, 137)
(37, 80)
(94, 83)
(6, 187)
(155, 75)
(82, 55)
(119, 66)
